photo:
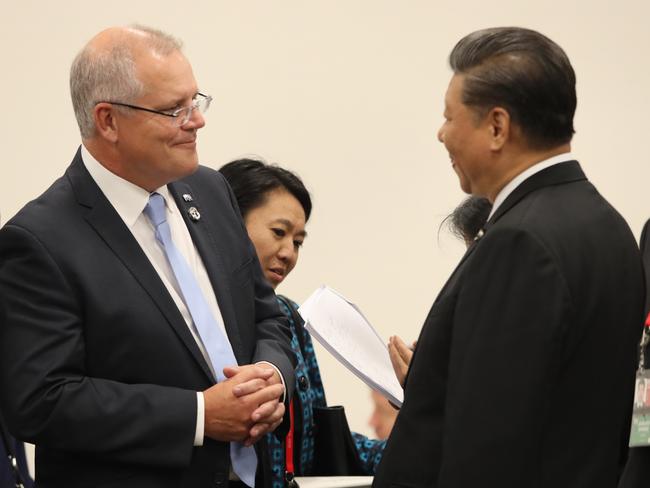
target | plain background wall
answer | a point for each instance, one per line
(349, 94)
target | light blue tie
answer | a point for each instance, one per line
(217, 345)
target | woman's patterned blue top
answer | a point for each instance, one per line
(312, 395)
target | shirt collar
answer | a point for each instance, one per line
(524, 175)
(129, 200)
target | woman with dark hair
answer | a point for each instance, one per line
(276, 206)
(468, 218)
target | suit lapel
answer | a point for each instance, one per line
(204, 237)
(103, 218)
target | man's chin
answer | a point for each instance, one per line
(186, 166)
(464, 185)
(194, 166)
(191, 156)
(462, 181)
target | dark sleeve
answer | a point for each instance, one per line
(272, 331)
(507, 333)
(48, 399)
(272, 326)
(370, 452)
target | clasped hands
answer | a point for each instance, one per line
(245, 406)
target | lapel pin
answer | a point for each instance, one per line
(479, 234)
(187, 197)
(194, 213)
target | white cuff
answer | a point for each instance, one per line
(284, 385)
(200, 419)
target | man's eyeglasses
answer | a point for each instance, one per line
(181, 116)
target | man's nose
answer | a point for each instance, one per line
(196, 120)
(441, 135)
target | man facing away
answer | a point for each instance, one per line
(524, 369)
(637, 468)
(129, 293)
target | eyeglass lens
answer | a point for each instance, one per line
(200, 103)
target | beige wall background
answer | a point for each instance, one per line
(349, 94)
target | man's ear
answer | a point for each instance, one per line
(105, 121)
(499, 125)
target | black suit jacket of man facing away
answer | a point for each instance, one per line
(524, 368)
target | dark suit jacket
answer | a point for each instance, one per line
(97, 366)
(645, 254)
(10, 446)
(637, 469)
(524, 368)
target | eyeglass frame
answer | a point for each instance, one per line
(174, 113)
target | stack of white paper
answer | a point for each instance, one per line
(343, 330)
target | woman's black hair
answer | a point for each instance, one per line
(251, 181)
(469, 217)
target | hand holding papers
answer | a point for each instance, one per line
(343, 330)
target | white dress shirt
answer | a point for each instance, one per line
(129, 201)
(524, 175)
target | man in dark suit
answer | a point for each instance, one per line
(129, 292)
(13, 461)
(637, 469)
(524, 369)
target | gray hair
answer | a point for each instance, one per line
(110, 74)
